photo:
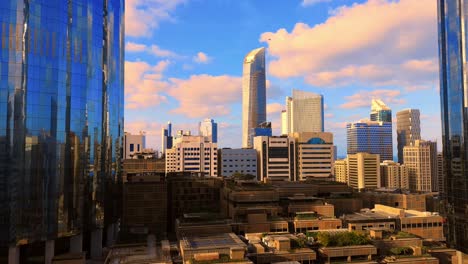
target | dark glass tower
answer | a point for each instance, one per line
(453, 21)
(61, 116)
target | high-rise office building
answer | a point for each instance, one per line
(304, 113)
(134, 144)
(276, 158)
(253, 94)
(61, 122)
(408, 129)
(421, 161)
(453, 97)
(363, 170)
(192, 154)
(370, 136)
(166, 138)
(380, 111)
(394, 175)
(314, 152)
(208, 129)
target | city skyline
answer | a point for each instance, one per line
(163, 72)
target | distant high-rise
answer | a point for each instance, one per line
(166, 138)
(454, 101)
(304, 113)
(370, 136)
(408, 129)
(284, 122)
(276, 158)
(394, 175)
(253, 94)
(380, 111)
(209, 129)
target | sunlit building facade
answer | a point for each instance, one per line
(304, 113)
(209, 129)
(253, 94)
(380, 111)
(61, 121)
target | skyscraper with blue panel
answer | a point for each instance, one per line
(453, 21)
(61, 117)
(370, 136)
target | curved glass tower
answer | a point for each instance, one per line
(253, 94)
(61, 116)
(453, 51)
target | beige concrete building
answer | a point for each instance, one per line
(393, 175)
(192, 154)
(276, 158)
(421, 160)
(341, 170)
(314, 155)
(363, 170)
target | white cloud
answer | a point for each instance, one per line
(143, 16)
(379, 42)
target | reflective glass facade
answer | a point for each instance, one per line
(453, 20)
(61, 116)
(253, 94)
(372, 137)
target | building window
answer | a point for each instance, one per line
(132, 148)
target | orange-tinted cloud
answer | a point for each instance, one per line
(369, 43)
(364, 98)
(205, 95)
(202, 57)
(144, 84)
(143, 16)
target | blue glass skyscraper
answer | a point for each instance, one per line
(370, 136)
(453, 21)
(61, 117)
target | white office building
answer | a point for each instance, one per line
(192, 154)
(276, 158)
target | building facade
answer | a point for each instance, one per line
(374, 137)
(440, 173)
(209, 129)
(341, 171)
(253, 94)
(453, 100)
(421, 161)
(193, 154)
(133, 144)
(363, 171)
(408, 129)
(314, 155)
(237, 160)
(61, 120)
(380, 111)
(394, 175)
(304, 113)
(276, 158)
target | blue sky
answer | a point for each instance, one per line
(184, 61)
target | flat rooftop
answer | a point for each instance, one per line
(212, 241)
(370, 216)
